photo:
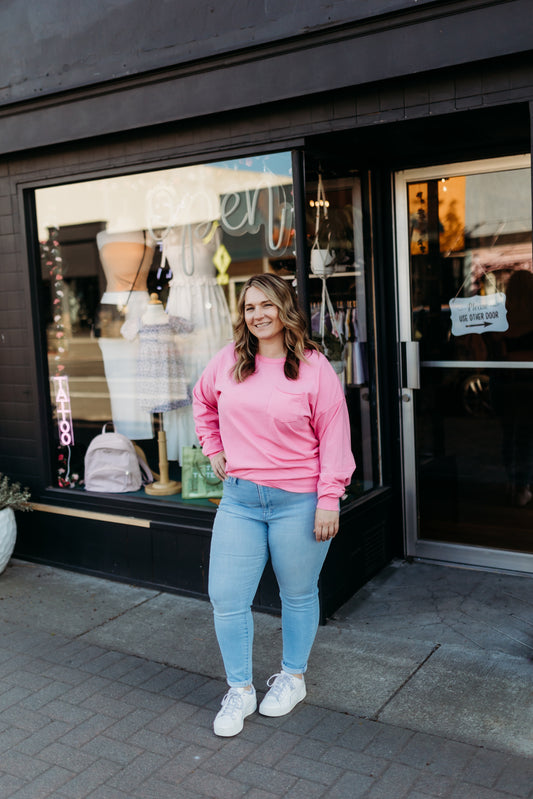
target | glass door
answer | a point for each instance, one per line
(465, 300)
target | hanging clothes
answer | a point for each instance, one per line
(359, 364)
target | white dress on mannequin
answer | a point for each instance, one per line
(194, 295)
(126, 259)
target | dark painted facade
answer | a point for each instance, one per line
(108, 89)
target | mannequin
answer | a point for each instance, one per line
(155, 314)
(126, 259)
(161, 385)
(195, 295)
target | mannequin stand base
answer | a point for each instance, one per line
(160, 489)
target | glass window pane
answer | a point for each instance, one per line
(190, 236)
(340, 285)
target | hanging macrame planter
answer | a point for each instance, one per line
(322, 257)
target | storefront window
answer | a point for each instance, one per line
(114, 250)
(177, 244)
(339, 289)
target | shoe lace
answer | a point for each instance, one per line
(231, 703)
(279, 684)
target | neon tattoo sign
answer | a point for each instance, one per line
(63, 411)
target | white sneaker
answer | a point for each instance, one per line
(286, 691)
(236, 705)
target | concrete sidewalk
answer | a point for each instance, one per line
(420, 687)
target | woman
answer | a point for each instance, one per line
(271, 416)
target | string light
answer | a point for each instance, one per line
(51, 255)
(53, 263)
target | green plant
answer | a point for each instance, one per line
(332, 347)
(12, 495)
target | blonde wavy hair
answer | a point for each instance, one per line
(296, 339)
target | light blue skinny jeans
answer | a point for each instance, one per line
(251, 521)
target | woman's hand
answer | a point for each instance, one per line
(326, 524)
(218, 464)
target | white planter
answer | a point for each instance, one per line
(321, 261)
(8, 536)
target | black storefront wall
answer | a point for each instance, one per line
(386, 114)
(169, 555)
(198, 61)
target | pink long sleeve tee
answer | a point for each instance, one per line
(289, 434)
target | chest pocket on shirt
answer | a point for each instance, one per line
(288, 407)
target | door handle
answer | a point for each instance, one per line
(410, 364)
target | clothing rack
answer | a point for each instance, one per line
(355, 360)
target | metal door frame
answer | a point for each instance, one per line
(435, 551)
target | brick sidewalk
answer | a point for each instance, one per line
(79, 721)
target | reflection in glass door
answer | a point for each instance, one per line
(466, 316)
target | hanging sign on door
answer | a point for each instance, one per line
(478, 314)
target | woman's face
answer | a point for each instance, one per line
(262, 317)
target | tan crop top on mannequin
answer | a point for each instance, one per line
(121, 255)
